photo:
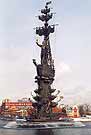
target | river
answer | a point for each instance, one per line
(65, 131)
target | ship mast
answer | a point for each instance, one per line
(44, 99)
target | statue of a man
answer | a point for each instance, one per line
(44, 50)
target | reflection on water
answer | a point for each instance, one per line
(67, 131)
(45, 132)
(26, 132)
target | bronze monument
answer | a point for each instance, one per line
(44, 99)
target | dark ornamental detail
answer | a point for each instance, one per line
(44, 99)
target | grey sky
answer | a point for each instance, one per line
(71, 48)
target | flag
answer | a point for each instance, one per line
(48, 3)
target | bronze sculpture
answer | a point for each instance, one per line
(44, 99)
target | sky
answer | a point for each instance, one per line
(71, 48)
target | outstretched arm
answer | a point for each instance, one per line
(41, 45)
(38, 43)
(34, 61)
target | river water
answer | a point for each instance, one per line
(65, 131)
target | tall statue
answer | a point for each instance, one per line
(44, 99)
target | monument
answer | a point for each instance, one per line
(44, 99)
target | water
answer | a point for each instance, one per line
(66, 131)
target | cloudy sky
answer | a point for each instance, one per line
(71, 48)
